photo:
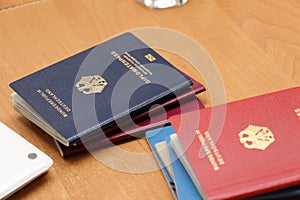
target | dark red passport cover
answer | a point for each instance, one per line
(142, 122)
(255, 151)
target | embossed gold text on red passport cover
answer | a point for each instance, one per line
(256, 150)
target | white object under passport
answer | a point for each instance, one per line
(20, 162)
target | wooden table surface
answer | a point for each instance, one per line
(254, 43)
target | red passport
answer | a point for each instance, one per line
(142, 123)
(244, 148)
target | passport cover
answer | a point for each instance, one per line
(129, 122)
(257, 148)
(92, 89)
(136, 130)
(158, 135)
(179, 182)
(291, 193)
(183, 183)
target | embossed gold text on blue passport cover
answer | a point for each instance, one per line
(95, 88)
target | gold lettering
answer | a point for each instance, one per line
(137, 73)
(54, 102)
(297, 111)
(58, 101)
(126, 60)
(211, 150)
(132, 58)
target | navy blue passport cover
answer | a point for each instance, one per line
(132, 77)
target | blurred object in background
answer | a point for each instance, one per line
(162, 3)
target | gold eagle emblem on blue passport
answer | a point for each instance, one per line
(91, 84)
(256, 137)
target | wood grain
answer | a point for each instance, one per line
(255, 45)
(13, 4)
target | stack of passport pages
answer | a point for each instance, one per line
(122, 89)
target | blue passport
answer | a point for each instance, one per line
(159, 135)
(178, 179)
(95, 89)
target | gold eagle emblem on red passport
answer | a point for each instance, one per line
(256, 137)
(91, 84)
